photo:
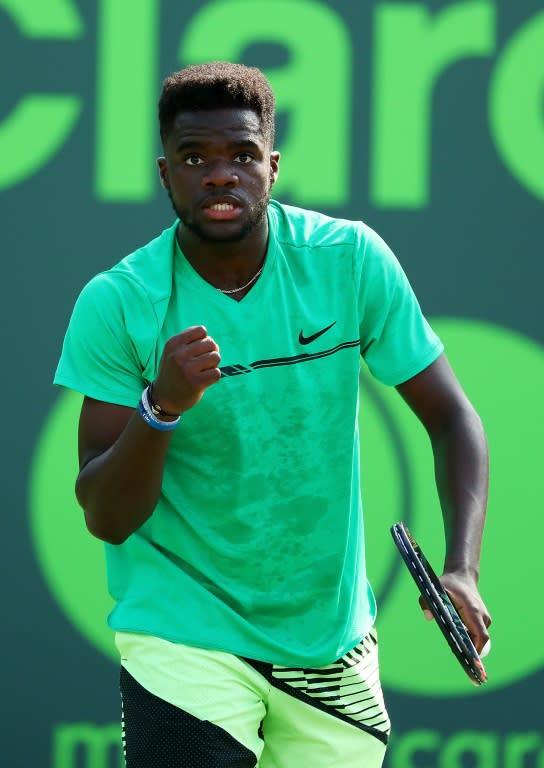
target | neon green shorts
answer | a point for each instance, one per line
(177, 698)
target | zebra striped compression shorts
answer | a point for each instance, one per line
(186, 707)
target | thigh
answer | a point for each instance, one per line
(327, 717)
(157, 734)
(186, 706)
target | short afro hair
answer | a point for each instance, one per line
(217, 85)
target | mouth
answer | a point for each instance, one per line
(222, 209)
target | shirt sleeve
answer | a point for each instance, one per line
(108, 341)
(397, 342)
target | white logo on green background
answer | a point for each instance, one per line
(502, 373)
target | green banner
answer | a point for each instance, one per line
(425, 120)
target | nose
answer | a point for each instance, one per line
(220, 174)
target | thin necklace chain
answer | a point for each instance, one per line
(241, 288)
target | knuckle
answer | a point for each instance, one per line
(170, 346)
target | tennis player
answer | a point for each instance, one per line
(219, 453)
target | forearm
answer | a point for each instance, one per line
(119, 489)
(461, 470)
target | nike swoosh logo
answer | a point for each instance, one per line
(308, 339)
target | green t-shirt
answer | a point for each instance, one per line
(256, 546)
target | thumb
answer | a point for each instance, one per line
(426, 610)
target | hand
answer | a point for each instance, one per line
(464, 594)
(189, 365)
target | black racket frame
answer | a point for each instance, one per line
(440, 605)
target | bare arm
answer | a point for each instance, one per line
(122, 458)
(461, 469)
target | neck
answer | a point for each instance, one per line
(226, 265)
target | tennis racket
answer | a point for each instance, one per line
(440, 605)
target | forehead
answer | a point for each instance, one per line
(228, 124)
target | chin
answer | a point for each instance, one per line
(208, 235)
(221, 232)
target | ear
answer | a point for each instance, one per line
(163, 172)
(274, 167)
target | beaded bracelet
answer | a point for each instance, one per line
(155, 407)
(145, 411)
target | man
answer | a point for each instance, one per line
(219, 452)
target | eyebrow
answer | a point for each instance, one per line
(184, 144)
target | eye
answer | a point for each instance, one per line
(193, 160)
(244, 157)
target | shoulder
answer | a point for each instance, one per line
(301, 227)
(347, 241)
(305, 228)
(145, 273)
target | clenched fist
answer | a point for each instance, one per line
(189, 365)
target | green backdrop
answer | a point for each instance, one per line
(426, 120)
